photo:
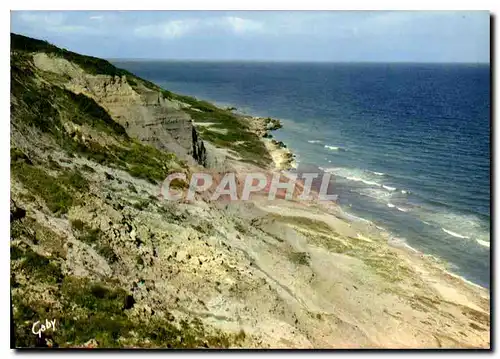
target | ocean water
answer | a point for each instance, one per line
(408, 144)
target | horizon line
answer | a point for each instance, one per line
(296, 61)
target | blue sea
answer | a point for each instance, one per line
(408, 144)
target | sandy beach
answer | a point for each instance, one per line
(366, 287)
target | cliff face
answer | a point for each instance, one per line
(144, 112)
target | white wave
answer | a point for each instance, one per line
(390, 205)
(396, 241)
(333, 148)
(357, 179)
(454, 234)
(314, 141)
(355, 174)
(464, 280)
(411, 248)
(378, 173)
(352, 217)
(404, 191)
(401, 242)
(458, 225)
(375, 193)
(402, 209)
(389, 188)
(483, 243)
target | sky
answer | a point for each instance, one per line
(333, 36)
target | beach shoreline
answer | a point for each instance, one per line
(284, 160)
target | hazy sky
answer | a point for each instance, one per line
(423, 36)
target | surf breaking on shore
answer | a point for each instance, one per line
(282, 162)
(348, 238)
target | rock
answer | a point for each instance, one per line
(129, 302)
(92, 343)
(16, 213)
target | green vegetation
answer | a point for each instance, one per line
(239, 227)
(299, 258)
(382, 262)
(88, 169)
(28, 230)
(53, 164)
(94, 237)
(142, 204)
(16, 253)
(75, 180)
(34, 102)
(89, 310)
(16, 156)
(85, 110)
(59, 193)
(78, 224)
(90, 64)
(131, 188)
(57, 198)
(138, 160)
(97, 311)
(47, 107)
(37, 267)
(331, 242)
(145, 161)
(204, 226)
(90, 235)
(237, 135)
(304, 222)
(42, 109)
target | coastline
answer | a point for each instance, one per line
(284, 159)
(281, 155)
(196, 272)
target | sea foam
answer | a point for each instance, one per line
(453, 233)
(483, 243)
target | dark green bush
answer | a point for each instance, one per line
(40, 267)
(36, 180)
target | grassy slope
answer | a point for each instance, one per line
(40, 110)
(237, 138)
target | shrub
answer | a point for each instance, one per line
(40, 267)
(56, 197)
(299, 258)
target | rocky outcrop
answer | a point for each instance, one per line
(145, 113)
(199, 150)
